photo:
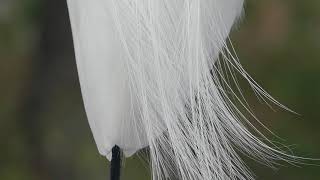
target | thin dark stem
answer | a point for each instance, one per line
(115, 163)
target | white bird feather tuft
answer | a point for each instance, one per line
(168, 85)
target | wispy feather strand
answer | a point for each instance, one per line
(194, 129)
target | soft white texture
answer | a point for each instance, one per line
(150, 76)
(103, 77)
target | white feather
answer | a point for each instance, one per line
(150, 77)
(103, 78)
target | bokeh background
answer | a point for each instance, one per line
(44, 134)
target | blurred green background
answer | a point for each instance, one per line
(44, 134)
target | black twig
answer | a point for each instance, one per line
(115, 163)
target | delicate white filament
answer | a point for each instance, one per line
(176, 86)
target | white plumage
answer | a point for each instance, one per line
(149, 77)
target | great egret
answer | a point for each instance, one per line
(150, 76)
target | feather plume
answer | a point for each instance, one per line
(172, 57)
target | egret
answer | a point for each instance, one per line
(153, 74)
